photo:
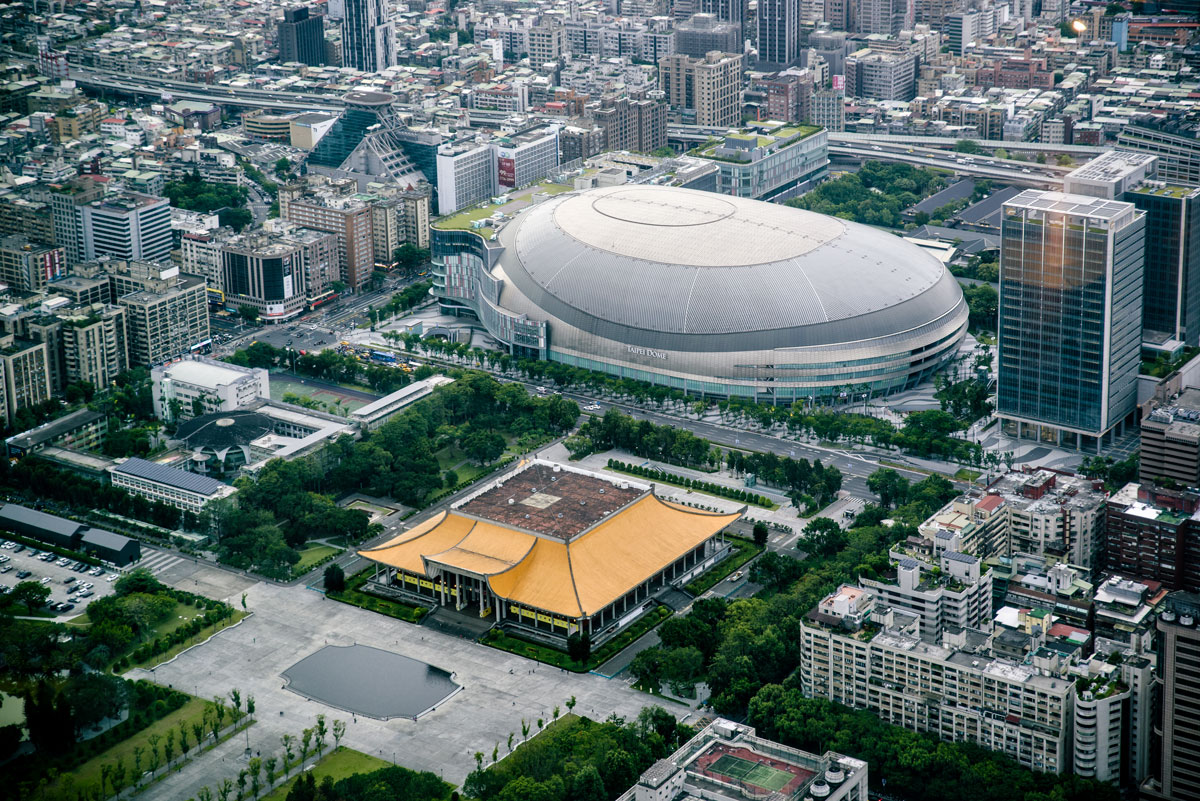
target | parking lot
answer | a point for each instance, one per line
(69, 585)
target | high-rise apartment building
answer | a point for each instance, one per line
(955, 693)
(27, 266)
(1152, 535)
(368, 36)
(1176, 774)
(704, 33)
(778, 32)
(547, 42)
(639, 125)
(881, 75)
(829, 110)
(1069, 318)
(93, 344)
(466, 175)
(951, 591)
(302, 37)
(200, 254)
(129, 225)
(728, 10)
(1171, 437)
(710, 87)
(350, 219)
(885, 17)
(26, 374)
(167, 319)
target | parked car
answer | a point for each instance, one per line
(24, 574)
(86, 594)
(68, 580)
(6, 568)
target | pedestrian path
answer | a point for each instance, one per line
(158, 561)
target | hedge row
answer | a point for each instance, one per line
(719, 490)
(185, 632)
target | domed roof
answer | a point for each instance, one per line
(220, 431)
(666, 267)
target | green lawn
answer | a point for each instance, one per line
(746, 550)
(88, 774)
(967, 475)
(200, 637)
(529, 649)
(181, 614)
(354, 596)
(336, 764)
(675, 481)
(311, 556)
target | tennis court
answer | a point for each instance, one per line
(749, 772)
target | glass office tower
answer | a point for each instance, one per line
(1070, 318)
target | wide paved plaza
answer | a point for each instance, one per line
(290, 623)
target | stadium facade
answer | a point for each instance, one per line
(711, 294)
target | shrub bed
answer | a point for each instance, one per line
(732, 493)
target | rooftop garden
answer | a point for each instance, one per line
(465, 219)
(780, 138)
(1165, 191)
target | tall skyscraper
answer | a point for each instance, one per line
(1070, 318)
(302, 37)
(1178, 764)
(1171, 282)
(368, 36)
(779, 32)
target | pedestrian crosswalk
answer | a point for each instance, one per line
(158, 561)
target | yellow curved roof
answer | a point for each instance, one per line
(573, 579)
(439, 533)
(629, 548)
(488, 548)
(542, 580)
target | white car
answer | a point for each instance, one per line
(592, 407)
(111, 577)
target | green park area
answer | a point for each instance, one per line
(743, 551)
(355, 596)
(312, 556)
(338, 764)
(592, 659)
(194, 712)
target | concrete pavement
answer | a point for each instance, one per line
(289, 623)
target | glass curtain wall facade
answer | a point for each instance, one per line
(1069, 318)
(1172, 283)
